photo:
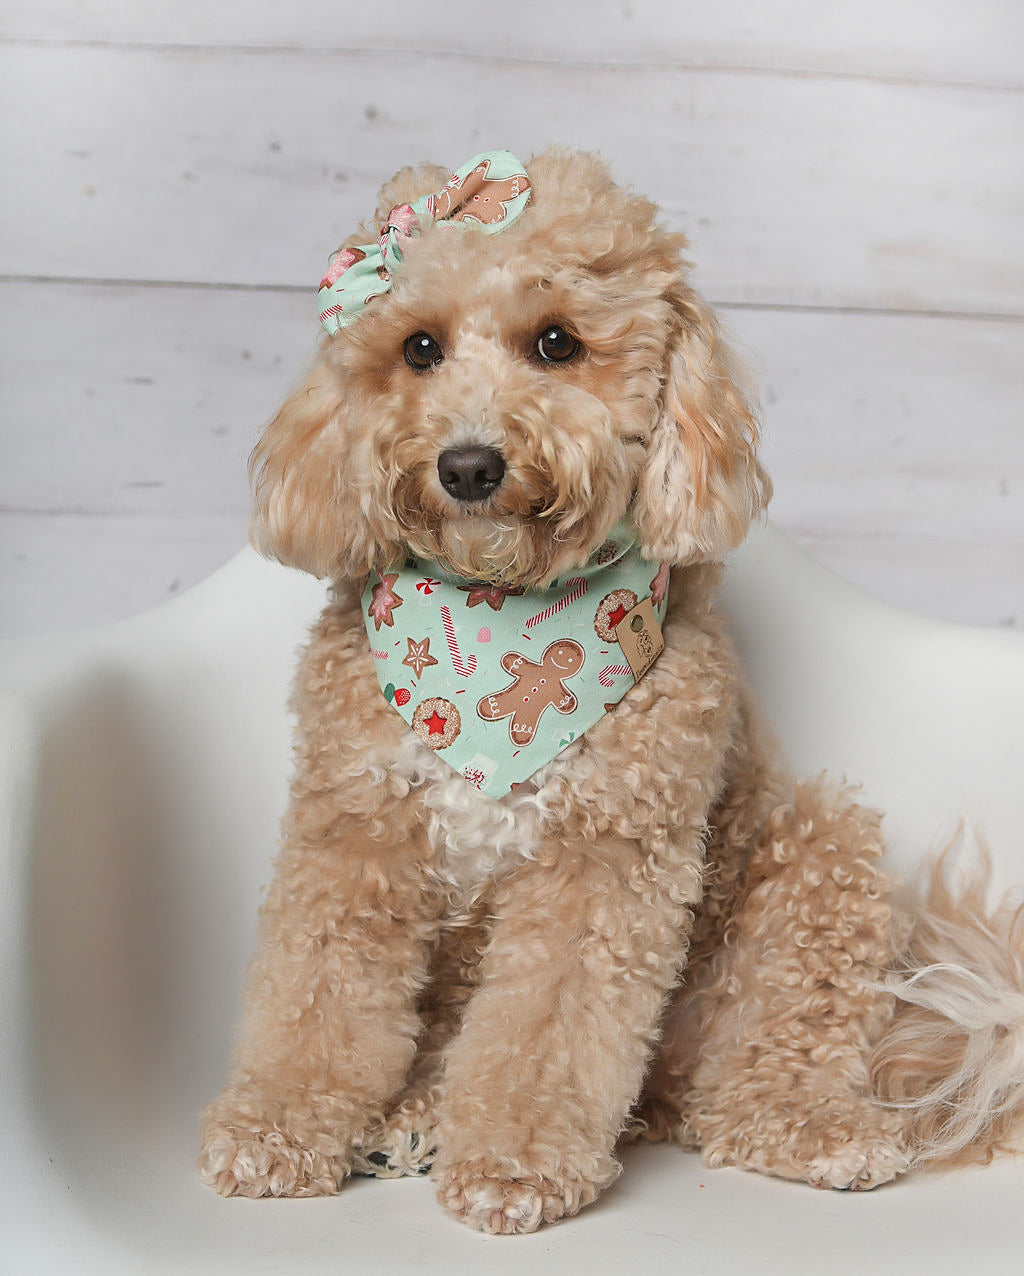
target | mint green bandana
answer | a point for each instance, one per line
(499, 681)
(491, 189)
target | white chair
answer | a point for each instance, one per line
(142, 779)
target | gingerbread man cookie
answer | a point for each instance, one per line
(536, 687)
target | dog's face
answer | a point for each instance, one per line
(512, 397)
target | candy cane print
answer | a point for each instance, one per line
(605, 676)
(379, 655)
(463, 670)
(577, 587)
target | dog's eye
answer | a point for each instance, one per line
(422, 351)
(555, 345)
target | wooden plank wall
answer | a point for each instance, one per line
(851, 178)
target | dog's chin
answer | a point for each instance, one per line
(511, 550)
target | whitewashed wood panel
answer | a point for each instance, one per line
(895, 442)
(64, 572)
(249, 167)
(128, 401)
(892, 426)
(979, 42)
(897, 448)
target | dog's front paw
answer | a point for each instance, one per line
(858, 1166)
(250, 1146)
(851, 1145)
(494, 1196)
(838, 1141)
(493, 1203)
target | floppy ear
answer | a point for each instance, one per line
(296, 510)
(702, 485)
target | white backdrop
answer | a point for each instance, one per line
(851, 178)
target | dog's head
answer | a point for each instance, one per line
(513, 396)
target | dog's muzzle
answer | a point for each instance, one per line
(472, 473)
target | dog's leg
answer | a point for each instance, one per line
(555, 1040)
(776, 1028)
(330, 1025)
(405, 1142)
(587, 937)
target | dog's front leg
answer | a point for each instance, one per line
(330, 1024)
(555, 1040)
(588, 937)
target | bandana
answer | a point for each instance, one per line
(499, 681)
(491, 190)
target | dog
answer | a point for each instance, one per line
(512, 925)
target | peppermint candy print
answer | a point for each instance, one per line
(576, 587)
(463, 669)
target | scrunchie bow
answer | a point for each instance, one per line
(491, 189)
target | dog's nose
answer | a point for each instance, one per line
(470, 473)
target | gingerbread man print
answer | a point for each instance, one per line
(478, 196)
(536, 687)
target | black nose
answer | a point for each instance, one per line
(470, 473)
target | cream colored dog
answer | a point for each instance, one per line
(658, 934)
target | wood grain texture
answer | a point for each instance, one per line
(149, 400)
(234, 167)
(64, 572)
(938, 40)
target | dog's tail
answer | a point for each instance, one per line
(952, 1058)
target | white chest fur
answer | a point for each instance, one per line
(475, 838)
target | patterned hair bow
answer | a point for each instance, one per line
(491, 189)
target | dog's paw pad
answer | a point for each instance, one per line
(393, 1153)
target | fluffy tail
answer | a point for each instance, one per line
(953, 1056)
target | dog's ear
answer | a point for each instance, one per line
(702, 485)
(294, 479)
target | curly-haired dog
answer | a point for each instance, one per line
(612, 913)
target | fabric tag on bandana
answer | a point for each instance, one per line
(639, 636)
(499, 681)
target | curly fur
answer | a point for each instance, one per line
(495, 991)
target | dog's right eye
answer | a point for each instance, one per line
(555, 345)
(422, 351)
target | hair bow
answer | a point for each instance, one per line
(491, 189)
